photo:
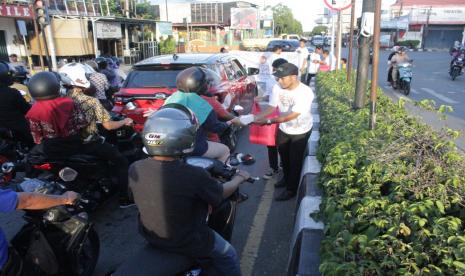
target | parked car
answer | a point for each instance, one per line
(288, 45)
(318, 40)
(153, 80)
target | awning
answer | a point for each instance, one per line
(71, 38)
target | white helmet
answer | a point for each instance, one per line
(77, 73)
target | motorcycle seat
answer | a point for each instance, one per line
(150, 261)
(82, 158)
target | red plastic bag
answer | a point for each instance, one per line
(266, 134)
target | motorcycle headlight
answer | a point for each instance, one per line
(459, 59)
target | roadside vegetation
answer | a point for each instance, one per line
(394, 197)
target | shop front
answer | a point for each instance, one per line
(15, 21)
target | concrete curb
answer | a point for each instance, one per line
(304, 256)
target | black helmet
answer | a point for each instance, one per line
(101, 62)
(170, 131)
(196, 80)
(19, 74)
(44, 86)
(6, 74)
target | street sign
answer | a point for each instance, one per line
(338, 5)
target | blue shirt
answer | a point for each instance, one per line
(8, 203)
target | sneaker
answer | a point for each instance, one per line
(126, 203)
(270, 174)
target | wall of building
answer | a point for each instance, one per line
(176, 12)
(9, 26)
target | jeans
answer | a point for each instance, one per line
(273, 157)
(224, 260)
(309, 78)
(291, 149)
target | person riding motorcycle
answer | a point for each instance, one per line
(101, 84)
(394, 51)
(10, 261)
(458, 54)
(400, 57)
(55, 121)
(19, 80)
(456, 49)
(13, 107)
(95, 112)
(190, 83)
(173, 197)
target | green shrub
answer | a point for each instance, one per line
(413, 44)
(393, 197)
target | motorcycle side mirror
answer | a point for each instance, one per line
(253, 71)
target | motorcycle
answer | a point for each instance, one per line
(404, 77)
(11, 151)
(55, 241)
(152, 261)
(85, 174)
(456, 67)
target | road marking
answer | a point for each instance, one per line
(414, 91)
(452, 92)
(254, 239)
(439, 96)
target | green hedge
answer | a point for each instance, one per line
(393, 198)
(413, 44)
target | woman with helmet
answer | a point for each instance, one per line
(55, 121)
(13, 107)
(190, 83)
(173, 197)
(400, 57)
(95, 112)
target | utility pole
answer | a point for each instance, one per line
(338, 40)
(351, 42)
(374, 68)
(364, 53)
(166, 7)
(425, 29)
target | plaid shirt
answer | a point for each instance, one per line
(93, 111)
(101, 84)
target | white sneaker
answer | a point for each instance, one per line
(271, 174)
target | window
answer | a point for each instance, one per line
(230, 72)
(238, 68)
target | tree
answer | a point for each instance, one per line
(317, 30)
(284, 21)
(145, 11)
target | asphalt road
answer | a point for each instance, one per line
(261, 235)
(431, 80)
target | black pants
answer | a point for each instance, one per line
(291, 149)
(273, 157)
(309, 78)
(21, 132)
(118, 162)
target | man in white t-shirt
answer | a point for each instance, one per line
(313, 64)
(294, 101)
(302, 56)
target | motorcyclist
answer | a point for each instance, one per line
(13, 107)
(110, 74)
(456, 49)
(191, 82)
(458, 54)
(95, 112)
(101, 84)
(393, 52)
(173, 197)
(55, 121)
(19, 78)
(10, 261)
(400, 57)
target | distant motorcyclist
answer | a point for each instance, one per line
(394, 51)
(173, 197)
(10, 261)
(13, 107)
(400, 57)
(95, 112)
(457, 54)
(55, 121)
(456, 49)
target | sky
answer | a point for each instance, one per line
(307, 11)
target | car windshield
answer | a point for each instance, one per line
(153, 77)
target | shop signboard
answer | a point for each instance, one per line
(108, 30)
(244, 18)
(15, 11)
